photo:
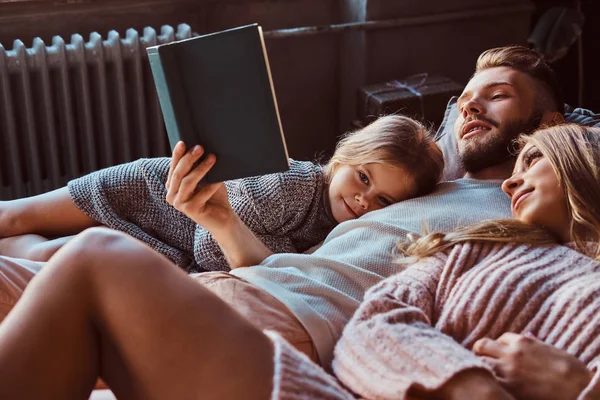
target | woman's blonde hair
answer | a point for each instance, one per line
(394, 140)
(574, 154)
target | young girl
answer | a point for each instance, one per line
(411, 335)
(390, 160)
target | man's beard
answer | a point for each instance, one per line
(487, 151)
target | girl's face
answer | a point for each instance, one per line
(536, 196)
(356, 190)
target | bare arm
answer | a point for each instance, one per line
(239, 244)
(49, 214)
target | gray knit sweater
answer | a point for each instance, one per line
(287, 211)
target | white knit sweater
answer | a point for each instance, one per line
(324, 289)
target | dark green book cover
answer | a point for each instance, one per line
(216, 90)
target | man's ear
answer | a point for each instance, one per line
(551, 118)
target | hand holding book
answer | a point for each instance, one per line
(208, 206)
(217, 90)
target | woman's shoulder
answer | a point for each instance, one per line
(498, 252)
(475, 250)
(465, 256)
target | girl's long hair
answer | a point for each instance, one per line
(574, 153)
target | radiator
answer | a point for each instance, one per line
(67, 109)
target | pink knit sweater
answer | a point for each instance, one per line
(417, 327)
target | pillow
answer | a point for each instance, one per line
(581, 116)
(447, 141)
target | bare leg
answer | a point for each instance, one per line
(31, 247)
(15, 275)
(51, 214)
(108, 305)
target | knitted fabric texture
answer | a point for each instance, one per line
(296, 377)
(417, 327)
(286, 211)
(324, 289)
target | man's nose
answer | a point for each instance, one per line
(471, 107)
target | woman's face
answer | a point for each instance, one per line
(536, 196)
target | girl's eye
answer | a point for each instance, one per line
(384, 202)
(498, 96)
(363, 177)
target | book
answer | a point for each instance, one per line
(216, 90)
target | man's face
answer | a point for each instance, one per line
(496, 106)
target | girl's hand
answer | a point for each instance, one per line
(531, 369)
(207, 205)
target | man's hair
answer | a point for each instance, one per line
(530, 62)
(394, 140)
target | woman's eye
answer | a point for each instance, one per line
(363, 177)
(498, 96)
(384, 202)
(532, 157)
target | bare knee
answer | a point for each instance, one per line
(91, 247)
(94, 260)
(99, 242)
(110, 250)
(97, 237)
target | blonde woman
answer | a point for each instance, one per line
(390, 160)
